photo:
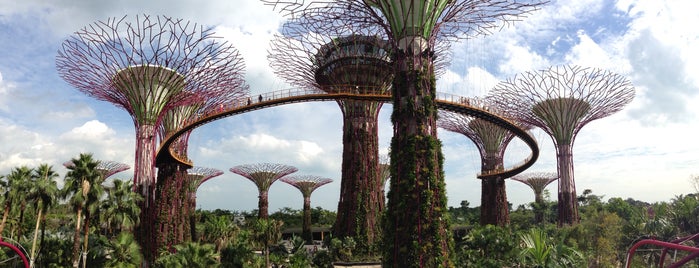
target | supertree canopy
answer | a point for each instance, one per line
(561, 100)
(491, 141)
(306, 184)
(416, 229)
(263, 175)
(538, 182)
(147, 65)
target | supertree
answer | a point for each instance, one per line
(561, 100)
(491, 141)
(345, 60)
(263, 175)
(186, 222)
(416, 230)
(306, 184)
(147, 66)
(538, 182)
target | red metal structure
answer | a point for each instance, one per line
(693, 251)
(147, 66)
(306, 184)
(491, 141)
(561, 100)
(416, 231)
(538, 182)
(263, 175)
(19, 252)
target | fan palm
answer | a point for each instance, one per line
(124, 252)
(120, 209)
(43, 194)
(81, 176)
(190, 255)
(17, 187)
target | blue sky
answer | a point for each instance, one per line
(648, 151)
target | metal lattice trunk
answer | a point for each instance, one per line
(416, 212)
(361, 195)
(567, 197)
(494, 208)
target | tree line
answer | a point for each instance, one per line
(89, 222)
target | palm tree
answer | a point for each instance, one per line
(124, 252)
(17, 187)
(43, 194)
(81, 176)
(120, 210)
(190, 255)
(219, 231)
(266, 232)
(539, 251)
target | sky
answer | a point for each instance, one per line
(648, 151)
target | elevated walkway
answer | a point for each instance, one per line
(444, 101)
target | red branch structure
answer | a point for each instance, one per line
(538, 182)
(306, 184)
(491, 141)
(416, 231)
(263, 175)
(561, 100)
(147, 66)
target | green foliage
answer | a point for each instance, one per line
(541, 251)
(487, 246)
(189, 255)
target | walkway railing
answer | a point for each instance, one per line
(470, 106)
(675, 244)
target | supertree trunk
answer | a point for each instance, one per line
(144, 183)
(567, 198)
(168, 207)
(361, 198)
(416, 226)
(539, 209)
(306, 232)
(494, 208)
(263, 205)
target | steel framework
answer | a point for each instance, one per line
(147, 66)
(306, 184)
(491, 141)
(263, 175)
(561, 100)
(538, 182)
(417, 196)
